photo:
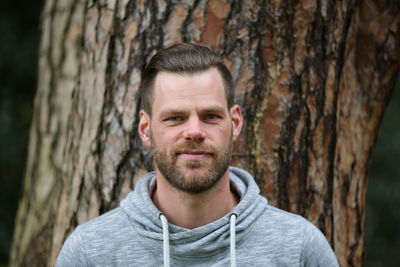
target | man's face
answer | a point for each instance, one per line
(191, 129)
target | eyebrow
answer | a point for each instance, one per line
(172, 111)
(215, 109)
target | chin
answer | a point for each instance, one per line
(194, 172)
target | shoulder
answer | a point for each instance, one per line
(295, 231)
(288, 217)
(87, 243)
(105, 231)
(284, 222)
(111, 221)
(316, 251)
(284, 229)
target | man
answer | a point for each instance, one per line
(194, 210)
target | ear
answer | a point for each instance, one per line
(237, 121)
(144, 128)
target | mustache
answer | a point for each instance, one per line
(190, 145)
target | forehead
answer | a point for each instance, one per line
(172, 90)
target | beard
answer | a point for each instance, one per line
(214, 166)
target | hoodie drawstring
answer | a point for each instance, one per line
(232, 219)
(164, 223)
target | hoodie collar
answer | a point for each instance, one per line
(205, 240)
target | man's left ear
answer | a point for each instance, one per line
(237, 121)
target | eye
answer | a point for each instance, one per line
(212, 116)
(174, 118)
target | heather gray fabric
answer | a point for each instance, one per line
(132, 235)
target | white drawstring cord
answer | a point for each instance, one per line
(164, 223)
(233, 238)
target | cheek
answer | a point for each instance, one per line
(166, 136)
(222, 133)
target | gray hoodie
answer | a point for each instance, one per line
(252, 234)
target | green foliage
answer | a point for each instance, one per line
(18, 63)
(383, 195)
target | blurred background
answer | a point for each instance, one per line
(19, 39)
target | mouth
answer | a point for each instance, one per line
(194, 155)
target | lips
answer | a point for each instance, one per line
(194, 155)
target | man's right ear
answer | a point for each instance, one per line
(144, 128)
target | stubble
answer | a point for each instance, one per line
(213, 168)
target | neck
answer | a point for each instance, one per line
(190, 210)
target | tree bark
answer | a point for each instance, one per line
(313, 79)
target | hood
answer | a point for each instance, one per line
(205, 240)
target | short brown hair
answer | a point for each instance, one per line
(184, 58)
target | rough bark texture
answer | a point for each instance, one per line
(313, 78)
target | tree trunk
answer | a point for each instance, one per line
(313, 79)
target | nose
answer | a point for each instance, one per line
(194, 130)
